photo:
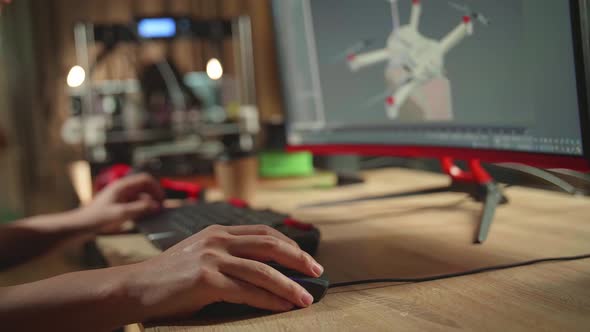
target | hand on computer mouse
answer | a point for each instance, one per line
(222, 264)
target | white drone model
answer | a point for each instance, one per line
(420, 59)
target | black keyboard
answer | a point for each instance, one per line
(171, 226)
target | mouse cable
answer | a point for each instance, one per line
(459, 274)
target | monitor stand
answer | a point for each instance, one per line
(348, 179)
(475, 181)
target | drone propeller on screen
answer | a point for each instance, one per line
(355, 48)
(467, 11)
(378, 99)
(394, 14)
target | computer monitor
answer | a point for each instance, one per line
(492, 80)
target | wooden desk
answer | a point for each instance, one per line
(423, 236)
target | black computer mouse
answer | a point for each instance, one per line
(317, 287)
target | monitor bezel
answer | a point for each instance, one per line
(580, 13)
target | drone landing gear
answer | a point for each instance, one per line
(481, 187)
(475, 181)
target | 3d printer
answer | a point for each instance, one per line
(162, 114)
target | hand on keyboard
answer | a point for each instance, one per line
(223, 264)
(127, 199)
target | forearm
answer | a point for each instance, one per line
(28, 238)
(86, 301)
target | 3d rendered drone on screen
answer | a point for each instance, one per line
(416, 71)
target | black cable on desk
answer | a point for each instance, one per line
(459, 274)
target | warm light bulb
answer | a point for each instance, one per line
(214, 69)
(76, 77)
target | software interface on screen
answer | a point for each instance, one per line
(485, 74)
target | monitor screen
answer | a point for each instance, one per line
(156, 28)
(475, 74)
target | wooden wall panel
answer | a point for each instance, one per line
(181, 50)
(148, 7)
(265, 60)
(121, 64)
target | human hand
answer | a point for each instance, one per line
(126, 199)
(222, 264)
